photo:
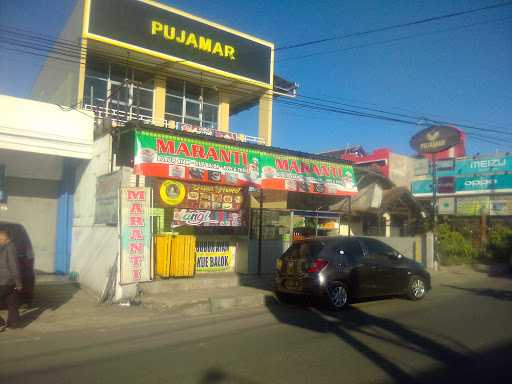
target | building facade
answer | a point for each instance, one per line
(169, 190)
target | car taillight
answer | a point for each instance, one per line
(317, 266)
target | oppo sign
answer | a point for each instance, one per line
(480, 183)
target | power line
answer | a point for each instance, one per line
(392, 27)
(403, 118)
(376, 43)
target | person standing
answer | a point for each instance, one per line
(10, 281)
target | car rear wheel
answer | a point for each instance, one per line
(417, 288)
(337, 295)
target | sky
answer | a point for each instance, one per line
(457, 69)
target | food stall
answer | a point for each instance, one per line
(200, 188)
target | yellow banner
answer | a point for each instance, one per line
(214, 261)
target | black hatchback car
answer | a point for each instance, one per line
(341, 269)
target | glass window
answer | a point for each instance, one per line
(199, 111)
(192, 91)
(378, 250)
(174, 105)
(192, 109)
(352, 250)
(209, 113)
(95, 88)
(174, 87)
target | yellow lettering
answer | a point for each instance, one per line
(217, 49)
(156, 27)
(205, 44)
(229, 51)
(170, 36)
(191, 40)
(182, 37)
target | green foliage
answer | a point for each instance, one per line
(499, 246)
(453, 247)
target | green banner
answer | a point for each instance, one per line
(172, 156)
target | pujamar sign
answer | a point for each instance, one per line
(166, 33)
(435, 139)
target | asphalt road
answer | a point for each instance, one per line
(461, 333)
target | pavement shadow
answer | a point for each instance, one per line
(221, 376)
(49, 295)
(499, 294)
(353, 324)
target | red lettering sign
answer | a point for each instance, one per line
(136, 274)
(136, 209)
(136, 221)
(136, 234)
(136, 247)
(136, 195)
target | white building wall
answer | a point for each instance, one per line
(94, 246)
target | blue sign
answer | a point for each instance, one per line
(479, 166)
(469, 184)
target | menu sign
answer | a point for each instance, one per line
(207, 218)
(198, 196)
(183, 158)
(135, 235)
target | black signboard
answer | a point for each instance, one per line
(435, 139)
(142, 26)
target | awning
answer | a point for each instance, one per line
(44, 128)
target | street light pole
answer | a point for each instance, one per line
(434, 203)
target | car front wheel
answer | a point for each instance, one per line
(417, 288)
(337, 295)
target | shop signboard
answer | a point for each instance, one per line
(468, 185)
(207, 218)
(446, 206)
(193, 159)
(479, 166)
(168, 34)
(173, 193)
(435, 139)
(212, 256)
(501, 206)
(135, 224)
(473, 206)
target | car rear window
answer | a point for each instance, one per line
(305, 250)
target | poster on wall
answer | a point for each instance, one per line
(501, 206)
(207, 218)
(473, 206)
(214, 256)
(107, 189)
(135, 224)
(446, 206)
(173, 193)
(190, 159)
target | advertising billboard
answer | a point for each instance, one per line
(169, 34)
(166, 155)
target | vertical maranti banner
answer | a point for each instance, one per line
(135, 224)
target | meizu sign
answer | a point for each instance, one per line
(435, 139)
(157, 30)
